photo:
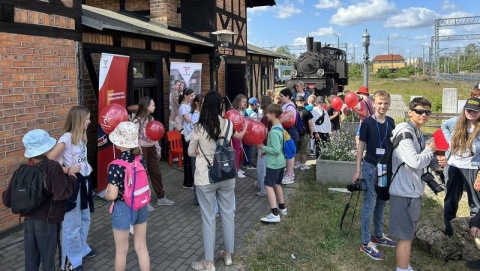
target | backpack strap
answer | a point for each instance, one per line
(396, 142)
(283, 138)
(224, 143)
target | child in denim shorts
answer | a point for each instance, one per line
(125, 138)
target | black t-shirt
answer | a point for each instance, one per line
(306, 116)
(369, 133)
(336, 121)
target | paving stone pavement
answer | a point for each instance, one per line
(174, 237)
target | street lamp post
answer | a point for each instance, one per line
(224, 36)
(365, 44)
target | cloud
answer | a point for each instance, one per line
(446, 32)
(370, 10)
(299, 41)
(422, 37)
(258, 10)
(326, 4)
(446, 5)
(324, 31)
(456, 14)
(413, 17)
(286, 10)
(300, 1)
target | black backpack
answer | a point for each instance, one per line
(27, 189)
(223, 166)
(385, 174)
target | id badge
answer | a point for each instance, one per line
(380, 151)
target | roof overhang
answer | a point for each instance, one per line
(101, 19)
(252, 49)
(260, 3)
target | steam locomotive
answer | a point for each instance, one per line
(321, 65)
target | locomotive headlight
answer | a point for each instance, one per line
(320, 72)
(293, 73)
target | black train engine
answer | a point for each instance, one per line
(321, 65)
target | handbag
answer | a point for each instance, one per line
(223, 166)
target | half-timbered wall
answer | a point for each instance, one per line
(38, 78)
(114, 5)
(261, 75)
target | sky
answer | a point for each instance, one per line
(403, 27)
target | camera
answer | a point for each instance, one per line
(358, 185)
(429, 179)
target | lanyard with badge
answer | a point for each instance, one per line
(380, 150)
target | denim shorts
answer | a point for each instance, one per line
(121, 216)
(273, 176)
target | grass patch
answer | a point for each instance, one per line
(311, 234)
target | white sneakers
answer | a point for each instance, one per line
(288, 179)
(304, 167)
(296, 165)
(240, 175)
(271, 218)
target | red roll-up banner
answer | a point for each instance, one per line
(112, 89)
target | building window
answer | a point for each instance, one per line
(7, 13)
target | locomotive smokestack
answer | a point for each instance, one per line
(310, 44)
(317, 46)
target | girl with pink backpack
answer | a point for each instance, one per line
(128, 211)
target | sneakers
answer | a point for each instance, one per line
(251, 166)
(304, 167)
(287, 179)
(227, 257)
(187, 187)
(165, 201)
(261, 195)
(271, 218)
(283, 211)
(371, 251)
(69, 267)
(150, 208)
(297, 165)
(243, 172)
(240, 175)
(384, 241)
(91, 254)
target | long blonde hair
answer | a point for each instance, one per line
(461, 141)
(75, 124)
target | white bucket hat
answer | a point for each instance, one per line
(37, 142)
(125, 135)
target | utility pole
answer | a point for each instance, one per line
(423, 59)
(365, 44)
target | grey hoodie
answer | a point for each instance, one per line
(407, 182)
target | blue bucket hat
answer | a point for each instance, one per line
(253, 101)
(37, 142)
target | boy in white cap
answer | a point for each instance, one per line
(40, 225)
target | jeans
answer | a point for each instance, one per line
(371, 205)
(224, 192)
(248, 155)
(261, 168)
(74, 235)
(40, 242)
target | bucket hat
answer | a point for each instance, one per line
(37, 142)
(472, 104)
(363, 90)
(125, 135)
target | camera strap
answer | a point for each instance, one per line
(347, 206)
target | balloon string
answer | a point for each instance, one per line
(113, 149)
(243, 150)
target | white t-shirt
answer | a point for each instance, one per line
(185, 110)
(75, 154)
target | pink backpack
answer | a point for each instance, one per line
(137, 191)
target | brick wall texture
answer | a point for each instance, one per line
(38, 86)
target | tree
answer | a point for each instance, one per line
(289, 59)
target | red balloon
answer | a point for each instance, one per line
(236, 118)
(154, 130)
(337, 103)
(110, 116)
(325, 107)
(351, 99)
(256, 133)
(246, 122)
(289, 122)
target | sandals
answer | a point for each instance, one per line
(202, 266)
(227, 257)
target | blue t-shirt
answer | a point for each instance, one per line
(376, 135)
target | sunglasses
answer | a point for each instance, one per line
(421, 112)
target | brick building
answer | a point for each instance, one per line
(50, 51)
